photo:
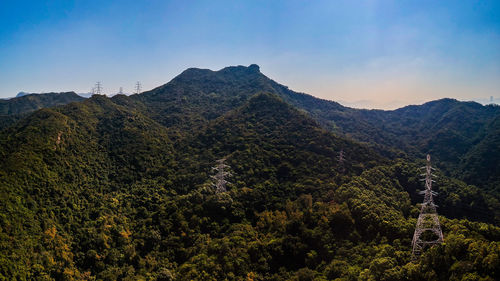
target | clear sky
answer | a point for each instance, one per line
(374, 54)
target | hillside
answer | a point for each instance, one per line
(31, 102)
(15, 108)
(267, 139)
(63, 163)
(448, 129)
(481, 164)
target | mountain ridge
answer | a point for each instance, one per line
(16, 108)
(446, 128)
(31, 102)
(198, 95)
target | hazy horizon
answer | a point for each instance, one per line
(370, 54)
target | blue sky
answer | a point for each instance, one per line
(374, 54)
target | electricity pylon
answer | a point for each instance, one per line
(138, 87)
(220, 176)
(98, 88)
(341, 160)
(428, 230)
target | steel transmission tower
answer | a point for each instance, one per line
(341, 160)
(138, 87)
(220, 176)
(98, 88)
(428, 230)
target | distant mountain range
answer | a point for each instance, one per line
(25, 102)
(14, 109)
(22, 94)
(367, 104)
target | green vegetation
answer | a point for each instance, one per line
(119, 189)
(461, 136)
(16, 108)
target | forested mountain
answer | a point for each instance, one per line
(32, 102)
(481, 164)
(121, 189)
(15, 108)
(448, 129)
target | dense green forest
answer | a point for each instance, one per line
(16, 108)
(120, 188)
(457, 134)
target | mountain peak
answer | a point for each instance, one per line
(251, 69)
(254, 67)
(199, 73)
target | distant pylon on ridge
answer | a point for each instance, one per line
(98, 88)
(138, 87)
(120, 92)
(428, 221)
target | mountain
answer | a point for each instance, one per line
(69, 163)
(122, 188)
(447, 129)
(63, 162)
(24, 103)
(269, 139)
(31, 102)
